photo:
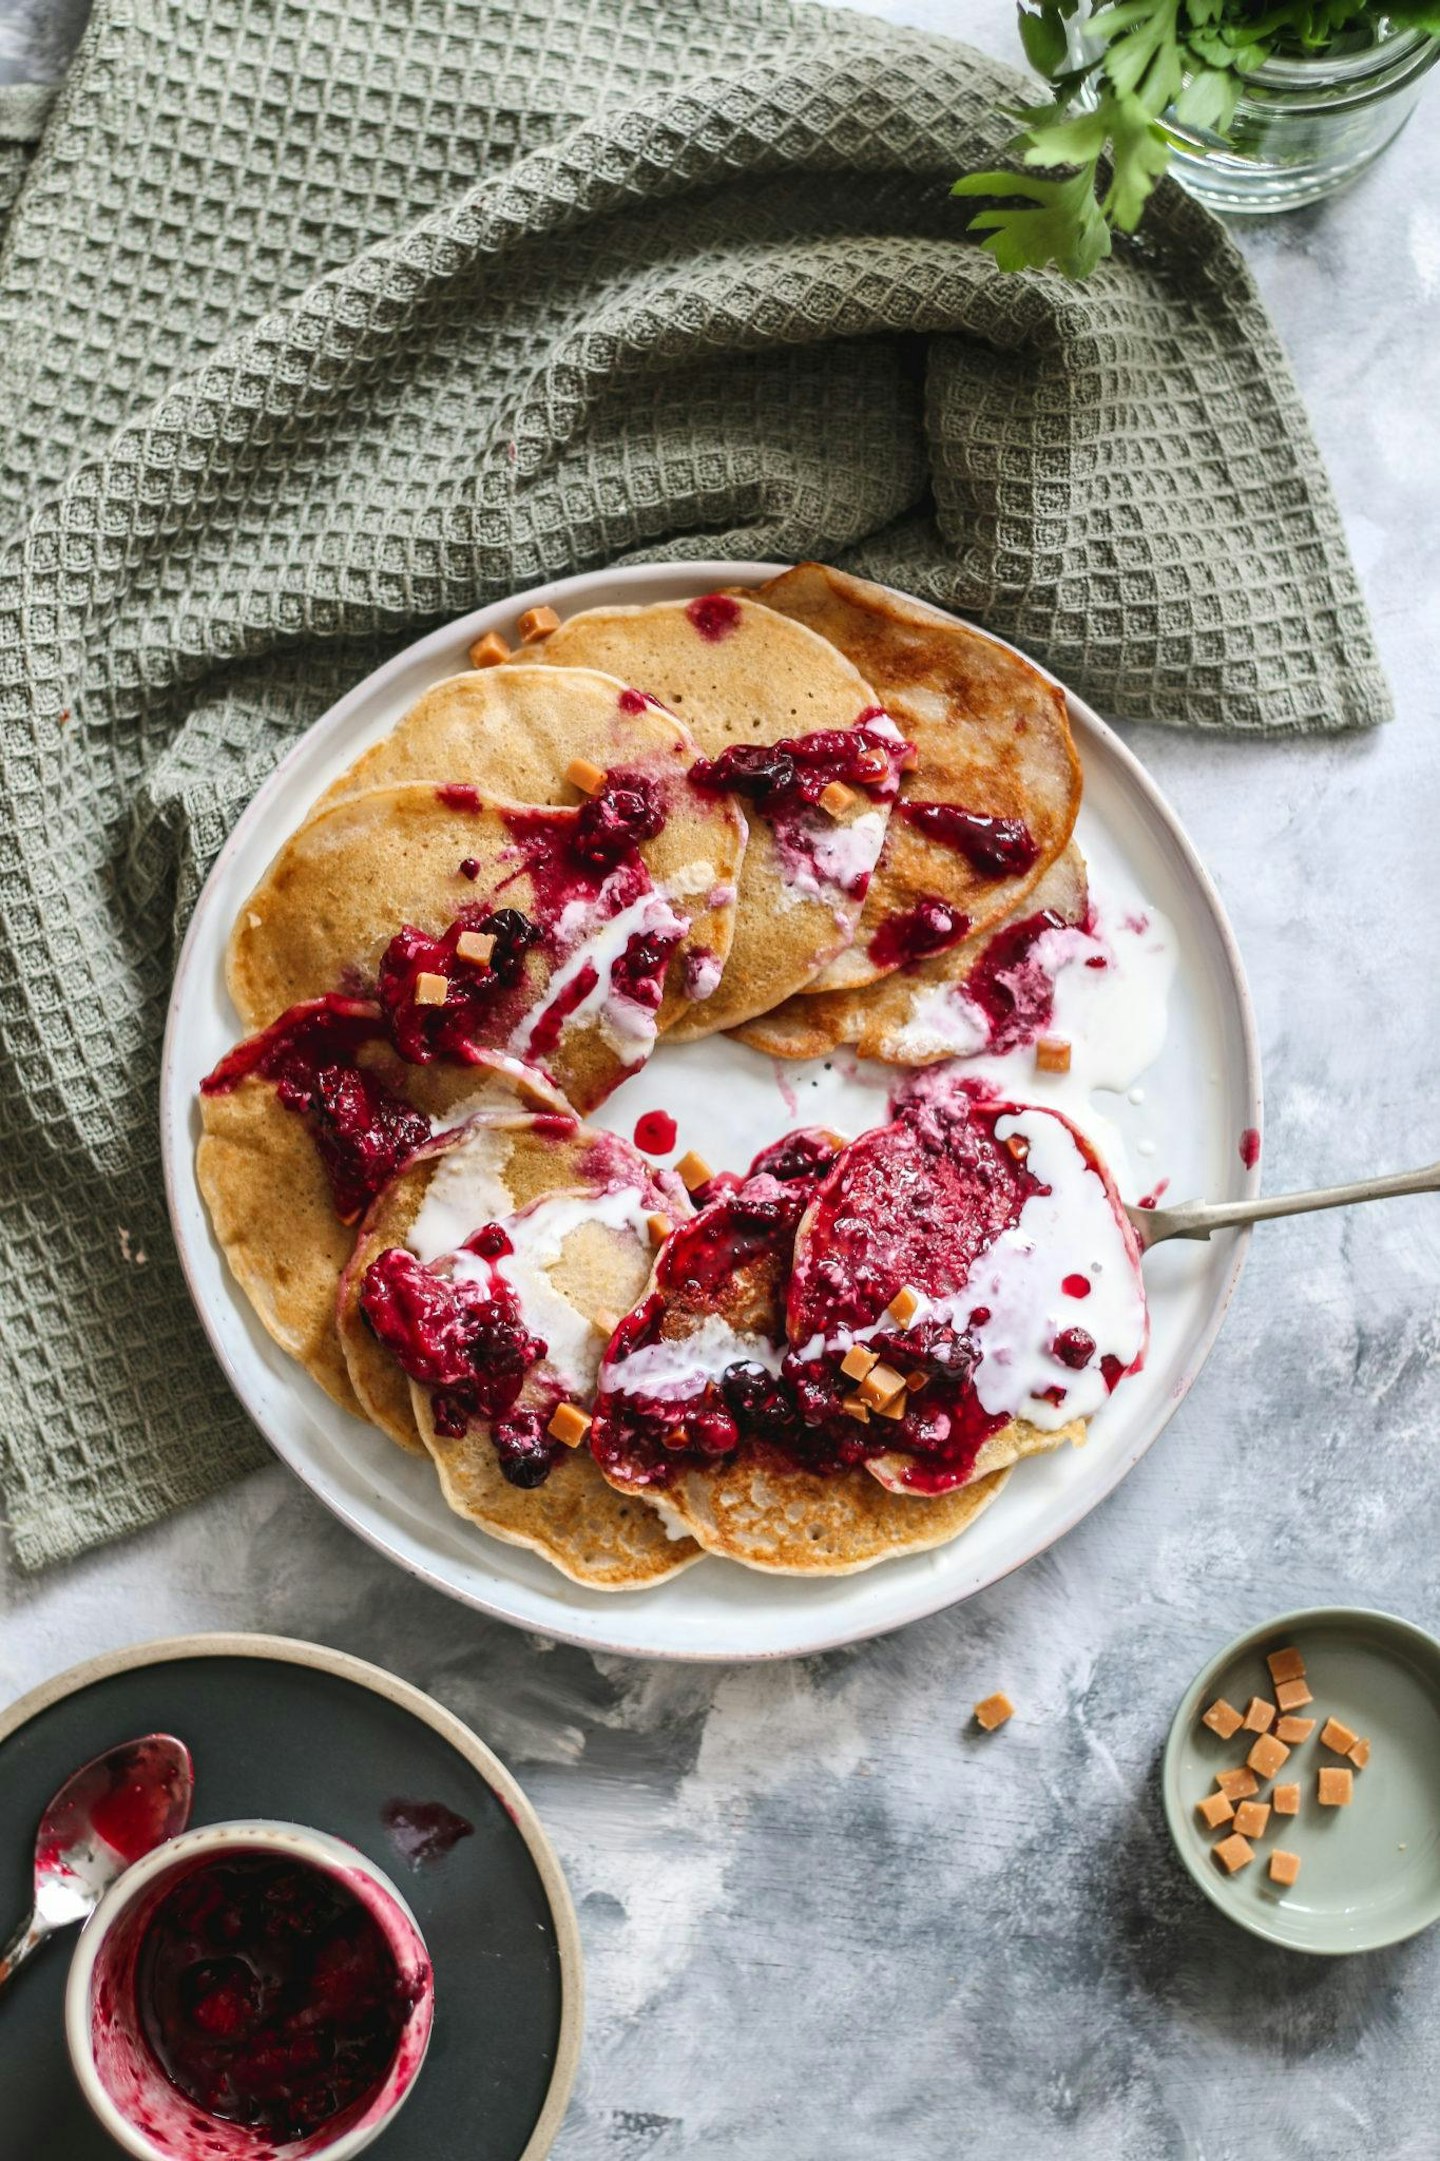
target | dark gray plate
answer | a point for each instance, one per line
(293, 1730)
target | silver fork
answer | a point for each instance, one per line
(1199, 1219)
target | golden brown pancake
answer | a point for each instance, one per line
(337, 892)
(741, 674)
(991, 736)
(271, 1205)
(888, 1019)
(507, 1170)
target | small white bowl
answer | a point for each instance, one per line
(135, 2102)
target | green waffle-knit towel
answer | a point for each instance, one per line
(322, 321)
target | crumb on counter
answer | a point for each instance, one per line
(1221, 1718)
(1286, 1665)
(1334, 1787)
(1292, 1695)
(1337, 1735)
(992, 1711)
(1267, 1755)
(489, 651)
(1284, 1867)
(1215, 1809)
(1234, 1853)
(1259, 1716)
(1286, 1798)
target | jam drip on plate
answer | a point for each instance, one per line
(268, 1994)
(362, 1130)
(993, 847)
(462, 1337)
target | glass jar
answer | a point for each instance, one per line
(1307, 126)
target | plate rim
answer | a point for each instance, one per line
(1176, 1813)
(344, 1665)
(706, 573)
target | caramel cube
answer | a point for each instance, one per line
(431, 989)
(1215, 1809)
(1286, 1665)
(917, 1380)
(1294, 1729)
(857, 1362)
(1234, 1853)
(568, 1424)
(871, 764)
(836, 798)
(1239, 1784)
(895, 1408)
(1334, 1787)
(1052, 1054)
(993, 1711)
(881, 1385)
(1335, 1734)
(693, 1171)
(1284, 1867)
(585, 776)
(476, 946)
(1016, 1147)
(903, 1307)
(853, 1407)
(1267, 1755)
(1286, 1799)
(1292, 1695)
(537, 623)
(1360, 1754)
(1221, 1718)
(1259, 1716)
(1251, 1818)
(489, 651)
(659, 1228)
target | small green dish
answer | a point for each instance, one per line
(1370, 1873)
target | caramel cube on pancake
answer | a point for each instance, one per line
(568, 1424)
(881, 1385)
(588, 778)
(431, 989)
(857, 1362)
(693, 1171)
(476, 946)
(903, 1307)
(836, 798)
(659, 1228)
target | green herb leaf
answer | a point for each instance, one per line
(1066, 227)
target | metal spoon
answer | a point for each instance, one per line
(106, 1815)
(1198, 1219)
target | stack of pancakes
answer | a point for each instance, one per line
(792, 928)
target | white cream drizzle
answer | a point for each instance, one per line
(628, 1028)
(675, 1369)
(825, 862)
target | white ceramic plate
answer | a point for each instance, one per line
(1202, 1093)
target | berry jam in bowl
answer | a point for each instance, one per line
(249, 1992)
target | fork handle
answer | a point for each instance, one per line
(1197, 1219)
